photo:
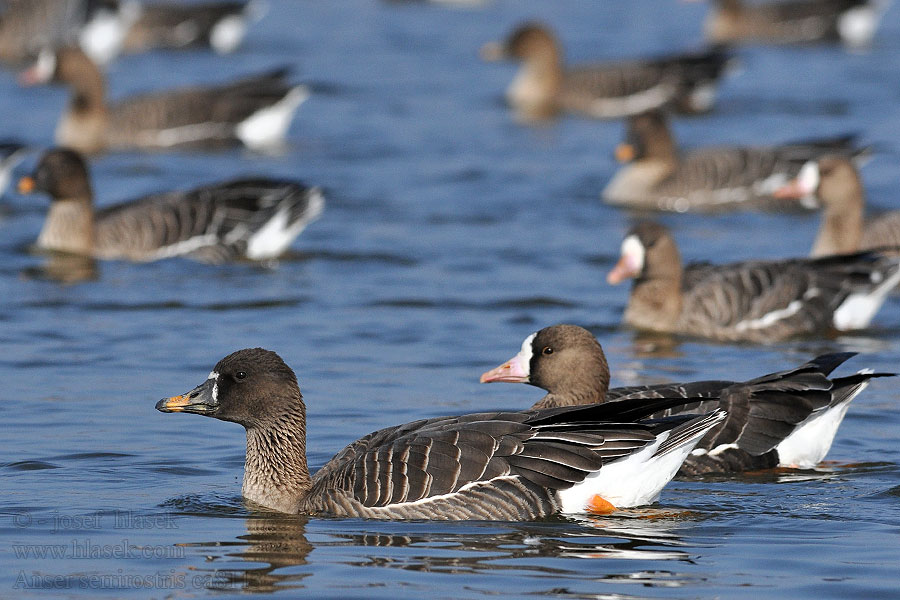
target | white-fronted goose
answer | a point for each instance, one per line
(500, 465)
(11, 154)
(786, 419)
(656, 176)
(544, 86)
(835, 183)
(218, 25)
(794, 21)
(756, 301)
(255, 111)
(245, 218)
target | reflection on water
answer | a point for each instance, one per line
(266, 557)
(64, 268)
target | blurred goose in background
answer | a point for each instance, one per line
(105, 28)
(835, 183)
(786, 419)
(544, 87)
(489, 466)
(755, 301)
(176, 25)
(256, 110)
(794, 21)
(245, 218)
(11, 154)
(656, 176)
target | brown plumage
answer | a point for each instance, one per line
(757, 301)
(657, 176)
(186, 117)
(500, 465)
(568, 362)
(544, 87)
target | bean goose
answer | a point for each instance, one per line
(835, 183)
(255, 111)
(544, 87)
(657, 176)
(786, 419)
(244, 218)
(756, 301)
(794, 21)
(501, 465)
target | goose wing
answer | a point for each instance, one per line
(212, 223)
(511, 463)
(769, 300)
(195, 114)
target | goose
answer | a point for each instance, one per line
(543, 87)
(794, 21)
(499, 465)
(835, 183)
(256, 110)
(754, 301)
(244, 218)
(656, 176)
(786, 419)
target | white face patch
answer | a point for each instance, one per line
(525, 354)
(808, 178)
(633, 250)
(45, 66)
(215, 391)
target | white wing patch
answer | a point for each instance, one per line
(858, 310)
(273, 238)
(267, 126)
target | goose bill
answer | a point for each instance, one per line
(200, 400)
(512, 371)
(26, 185)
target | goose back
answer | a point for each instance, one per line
(211, 223)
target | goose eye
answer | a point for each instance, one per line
(547, 351)
(240, 375)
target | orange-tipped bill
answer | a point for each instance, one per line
(26, 184)
(173, 404)
(625, 153)
(202, 400)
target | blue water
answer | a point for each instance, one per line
(451, 233)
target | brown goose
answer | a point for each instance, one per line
(785, 419)
(794, 21)
(834, 182)
(244, 218)
(756, 301)
(501, 465)
(544, 87)
(255, 111)
(656, 176)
